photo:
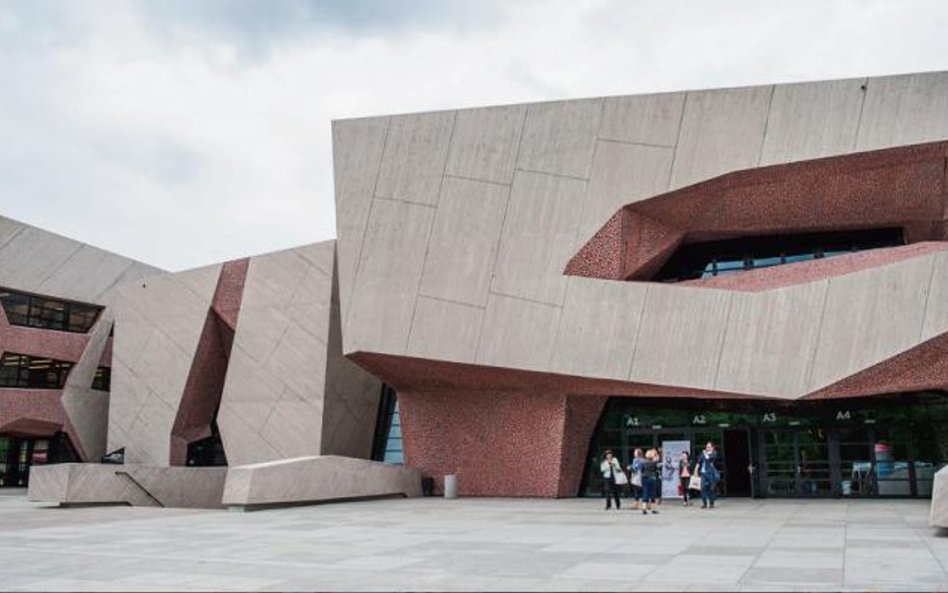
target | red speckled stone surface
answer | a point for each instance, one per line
(917, 369)
(897, 187)
(498, 443)
(483, 423)
(818, 269)
(205, 383)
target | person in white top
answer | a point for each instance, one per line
(611, 468)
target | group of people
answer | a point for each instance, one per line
(643, 476)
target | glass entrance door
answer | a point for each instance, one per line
(796, 462)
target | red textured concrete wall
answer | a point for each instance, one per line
(500, 443)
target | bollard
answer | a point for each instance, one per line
(450, 486)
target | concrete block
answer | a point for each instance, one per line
(768, 337)
(643, 119)
(906, 109)
(599, 327)
(415, 153)
(539, 237)
(939, 511)
(445, 331)
(88, 275)
(936, 309)
(518, 334)
(812, 120)
(870, 316)
(681, 336)
(622, 174)
(9, 229)
(31, 256)
(558, 137)
(317, 479)
(357, 155)
(721, 131)
(392, 259)
(485, 143)
(464, 240)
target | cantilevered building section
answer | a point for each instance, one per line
(763, 267)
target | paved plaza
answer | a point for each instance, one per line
(480, 544)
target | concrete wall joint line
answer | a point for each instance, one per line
(630, 143)
(520, 298)
(862, 108)
(117, 279)
(727, 324)
(451, 301)
(808, 383)
(638, 332)
(681, 121)
(13, 236)
(476, 180)
(928, 296)
(400, 201)
(500, 236)
(763, 137)
(431, 227)
(368, 217)
(62, 264)
(573, 177)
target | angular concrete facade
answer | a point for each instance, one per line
(60, 272)
(465, 264)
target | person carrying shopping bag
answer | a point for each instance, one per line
(635, 480)
(612, 477)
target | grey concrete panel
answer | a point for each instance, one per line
(936, 310)
(389, 274)
(357, 155)
(622, 174)
(32, 256)
(539, 237)
(904, 109)
(721, 131)
(681, 336)
(767, 340)
(445, 331)
(870, 316)
(351, 400)
(643, 119)
(293, 427)
(812, 120)
(89, 273)
(518, 334)
(558, 137)
(939, 511)
(485, 143)
(318, 478)
(87, 409)
(414, 157)
(9, 229)
(464, 240)
(599, 327)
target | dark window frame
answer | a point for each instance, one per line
(22, 371)
(37, 311)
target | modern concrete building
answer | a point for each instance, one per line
(515, 289)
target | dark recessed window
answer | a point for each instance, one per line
(30, 310)
(32, 372)
(731, 256)
(103, 379)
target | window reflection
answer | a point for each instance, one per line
(30, 310)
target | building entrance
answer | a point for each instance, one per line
(19, 453)
(884, 446)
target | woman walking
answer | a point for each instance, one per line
(684, 477)
(708, 473)
(635, 477)
(611, 469)
(650, 471)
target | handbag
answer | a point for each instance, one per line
(620, 478)
(637, 479)
(681, 490)
(694, 483)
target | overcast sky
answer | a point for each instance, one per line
(187, 132)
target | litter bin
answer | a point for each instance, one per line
(450, 486)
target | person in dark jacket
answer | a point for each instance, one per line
(684, 476)
(651, 469)
(708, 472)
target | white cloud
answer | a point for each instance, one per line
(184, 139)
